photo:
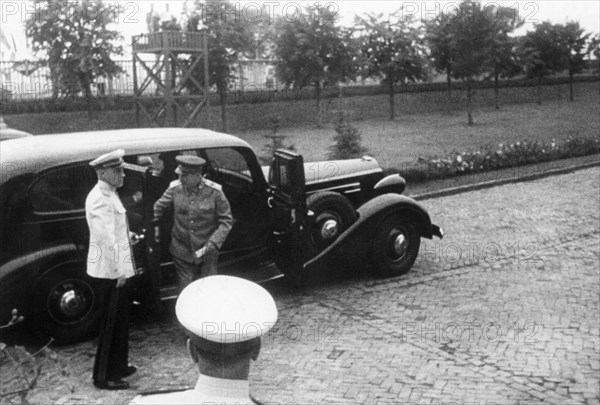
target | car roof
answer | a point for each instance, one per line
(36, 153)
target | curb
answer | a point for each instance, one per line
(493, 183)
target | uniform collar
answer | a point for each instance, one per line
(106, 188)
(195, 189)
(219, 387)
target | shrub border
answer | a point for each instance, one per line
(127, 102)
(503, 156)
(493, 183)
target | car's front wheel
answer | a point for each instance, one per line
(395, 246)
(333, 214)
(66, 305)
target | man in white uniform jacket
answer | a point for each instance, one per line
(224, 317)
(111, 265)
(109, 256)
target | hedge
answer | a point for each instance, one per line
(127, 102)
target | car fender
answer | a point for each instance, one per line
(393, 183)
(374, 210)
(27, 269)
(353, 246)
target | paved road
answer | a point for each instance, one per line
(504, 310)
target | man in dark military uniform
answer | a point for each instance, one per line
(202, 220)
(223, 340)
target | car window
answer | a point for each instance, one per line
(63, 189)
(228, 159)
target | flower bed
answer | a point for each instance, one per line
(500, 157)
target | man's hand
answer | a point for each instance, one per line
(211, 248)
(137, 197)
(156, 224)
(121, 282)
(133, 238)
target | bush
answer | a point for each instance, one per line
(348, 143)
(501, 157)
(21, 370)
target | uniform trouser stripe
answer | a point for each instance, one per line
(113, 342)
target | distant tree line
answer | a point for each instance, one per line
(470, 43)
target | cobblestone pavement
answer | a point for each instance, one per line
(503, 310)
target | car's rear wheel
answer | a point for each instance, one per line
(65, 306)
(333, 214)
(395, 246)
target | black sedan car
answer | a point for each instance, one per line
(292, 217)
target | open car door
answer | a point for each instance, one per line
(146, 247)
(287, 202)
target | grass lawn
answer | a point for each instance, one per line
(423, 128)
(438, 133)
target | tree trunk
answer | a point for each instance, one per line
(318, 98)
(54, 78)
(85, 84)
(571, 97)
(448, 78)
(392, 112)
(223, 95)
(496, 90)
(539, 90)
(469, 105)
(86, 87)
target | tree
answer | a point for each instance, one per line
(311, 50)
(75, 39)
(594, 49)
(347, 141)
(541, 53)
(502, 58)
(573, 42)
(392, 51)
(263, 34)
(470, 43)
(230, 35)
(439, 36)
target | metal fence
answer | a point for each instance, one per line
(28, 80)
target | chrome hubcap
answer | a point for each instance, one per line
(71, 302)
(329, 229)
(400, 244)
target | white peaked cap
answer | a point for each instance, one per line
(110, 159)
(226, 309)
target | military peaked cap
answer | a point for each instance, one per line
(189, 163)
(111, 159)
(225, 311)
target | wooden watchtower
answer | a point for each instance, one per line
(170, 76)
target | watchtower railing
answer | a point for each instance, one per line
(175, 41)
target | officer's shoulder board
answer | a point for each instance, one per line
(174, 183)
(212, 184)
